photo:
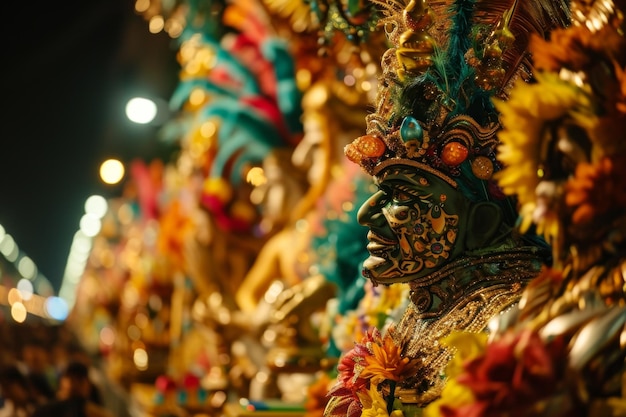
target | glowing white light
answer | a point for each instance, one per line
(112, 171)
(26, 267)
(7, 246)
(15, 253)
(77, 257)
(81, 243)
(56, 308)
(74, 269)
(25, 287)
(141, 110)
(96, 205)
(90, 225)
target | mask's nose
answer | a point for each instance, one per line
(370, 213)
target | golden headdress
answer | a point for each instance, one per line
(447, 61)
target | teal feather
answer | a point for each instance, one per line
(412, 100)
(459, 75)
(438, 74)
(459, 39)
(288, 94)
(244, 136)
(185, 88)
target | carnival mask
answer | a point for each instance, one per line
(415, 222)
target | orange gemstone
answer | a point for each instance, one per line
(454, 153)
(370, 146)
(482, 167)
(352, 153)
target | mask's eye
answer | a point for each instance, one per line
(401, 196)
(385, 190)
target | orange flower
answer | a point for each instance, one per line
(597, 190)
(575, 48)
(386, 362)
(566, 48)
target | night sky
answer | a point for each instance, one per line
(67, 70)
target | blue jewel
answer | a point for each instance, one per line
(411, 129)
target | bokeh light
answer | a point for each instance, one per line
(112, 171)
(25, 288)
(9, 248)
(140, 357)
(56, 308)
(96, 205)
(141, 110)
(26, 267)
(90, 225)
(18, 312)
(107, 336)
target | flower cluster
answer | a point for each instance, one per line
(367, 377)
(525, 116)
(561, 135)
(513, 372)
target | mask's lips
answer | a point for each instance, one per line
(378, 244)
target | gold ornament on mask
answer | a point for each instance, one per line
(490, 73)
(416, 46)
(366, 146)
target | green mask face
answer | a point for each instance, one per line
(416, 223)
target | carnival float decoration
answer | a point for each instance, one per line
(439, 220)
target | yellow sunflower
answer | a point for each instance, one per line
(524, 117)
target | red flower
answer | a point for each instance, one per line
(344, 400)
(515, 371)
(353, 362)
